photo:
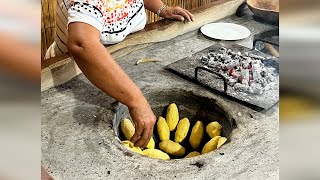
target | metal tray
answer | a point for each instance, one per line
(192, 69)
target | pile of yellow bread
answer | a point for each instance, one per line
(181, 128)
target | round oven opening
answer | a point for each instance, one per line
(190, 105)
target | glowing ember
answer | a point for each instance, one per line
(245, 72)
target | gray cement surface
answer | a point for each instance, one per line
(78, 141)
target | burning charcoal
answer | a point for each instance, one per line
(223, 50)
(235, 75)
(263, 82)
(211, 64)
(224, 55)
(233, 55)
(256, 64)
(255, 88)
(252, 55)
(256, 57)
(237, 68)
(237, 57)
(232, 82)
(270, 86)
(212, 58)
(204, 60)
(268, 69)
(224, 67)
(269, 78)
(204, 57)
(245, 64)
(251, 82)
(240, 79)
(245, 71)
(211, 54)
(256, 73)
(245, 82)
(220, 56)
(227, 59)
(261, 64)
(240, 87)
(232, 63)
(204, 63)
(271, 70)
(220, 64)
(245, 74)
(230, 70)
(247, 59)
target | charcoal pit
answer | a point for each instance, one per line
(192, 106)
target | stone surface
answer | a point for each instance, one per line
(78, 141)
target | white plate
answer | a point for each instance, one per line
(225, 31)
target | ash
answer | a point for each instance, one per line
(245, 72)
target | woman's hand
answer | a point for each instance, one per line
(177, 13)
(144, 120)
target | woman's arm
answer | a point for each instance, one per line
(177, 13)
(104, 72)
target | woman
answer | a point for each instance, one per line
(95, 23)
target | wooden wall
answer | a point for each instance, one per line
(47, 24)
(48, 17)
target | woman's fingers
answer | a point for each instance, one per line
(144, 139)
(137, 133)
(189, 13)
(178, 13)
(182, 12)
(144, 120)
(149, 133)
(177, 17)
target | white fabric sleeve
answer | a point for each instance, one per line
(81, 14)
